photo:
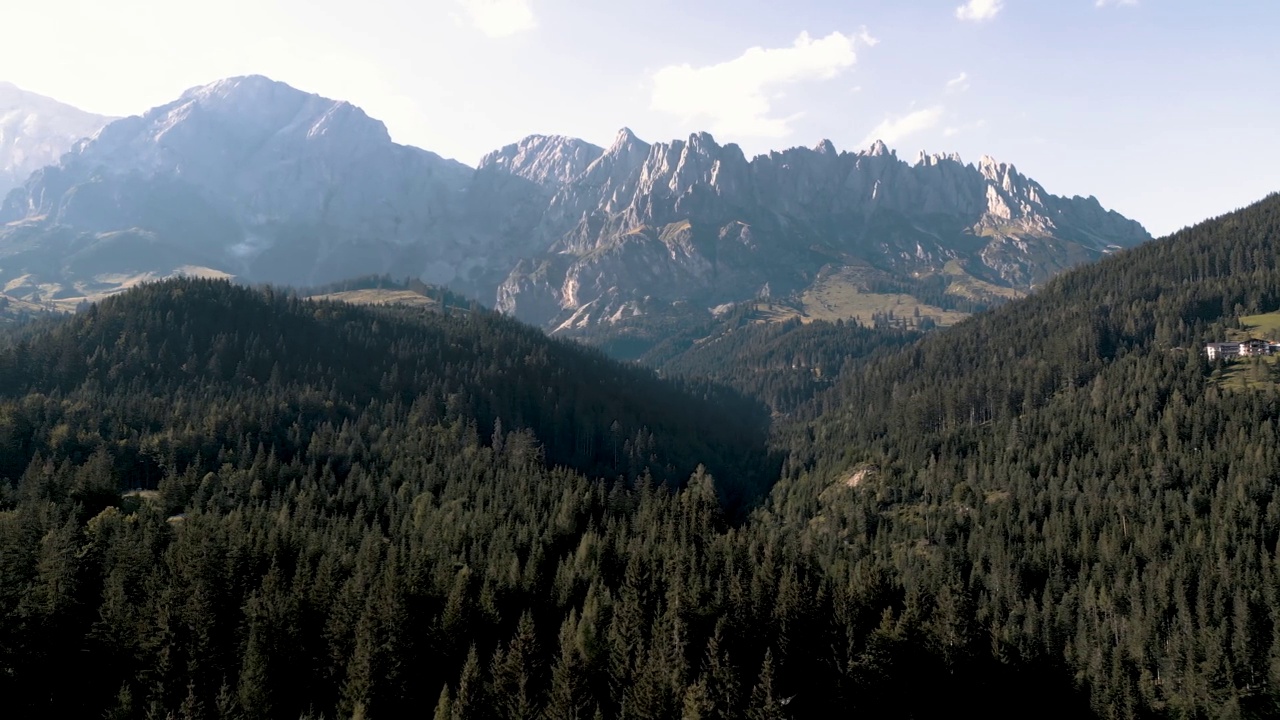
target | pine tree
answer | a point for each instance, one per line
(764, 703)
(470, 702)
(515, 673)
(720, 679)
(569, 697)
(254, 687)
(444, 706)
(697, 704)
(191, 708)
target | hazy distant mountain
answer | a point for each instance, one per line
(252, 178)
(35, 131)
(245, 176)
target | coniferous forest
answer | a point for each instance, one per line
(229, 502)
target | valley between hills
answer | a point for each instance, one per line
(298, 422)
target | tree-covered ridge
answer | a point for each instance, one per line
(444, 573)
(151, 363)
(1069, 463)
(1176, 293)
(335, 533)
(784, 365)
(1052, 509)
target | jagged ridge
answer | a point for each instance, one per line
(253, 178)
(695, 220)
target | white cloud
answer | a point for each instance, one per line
(893, 129)
(959, 83)
(500, 18)
(736, 96)
(979, 10)
(1104, 3)
(952, 131)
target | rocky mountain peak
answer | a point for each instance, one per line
(697, 156)
(927, 159)
(1011, 194)
(240, 88)
(35, 131)
(258, 179)
(703, 143)
(627, 151)
(878, 148)
(544, 159)
(257, 102)
(626, 142)
(254, 178)
(994, 170)
(216, 132)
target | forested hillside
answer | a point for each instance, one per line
(784, 365)
(331, 524)
(1071, 466)
(1055, 509)
(153, 360)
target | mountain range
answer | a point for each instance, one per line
(251, 178)
(229, 501)
(221, 501)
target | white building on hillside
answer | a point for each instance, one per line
(1228, 350)
(1222, 350)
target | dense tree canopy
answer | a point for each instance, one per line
(1073, 465)
(784, 365)
(222, 502)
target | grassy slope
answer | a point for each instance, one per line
(1252, 373)
(380, 297)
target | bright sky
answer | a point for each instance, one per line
(1166, 110)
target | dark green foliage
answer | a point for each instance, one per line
(784, 365)
(1061, 482)
(194, 368)
(1051, 510)
(930, 290)
(357, 514)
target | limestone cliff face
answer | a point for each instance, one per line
(256, 179)
(544, 160)
(694, 220)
